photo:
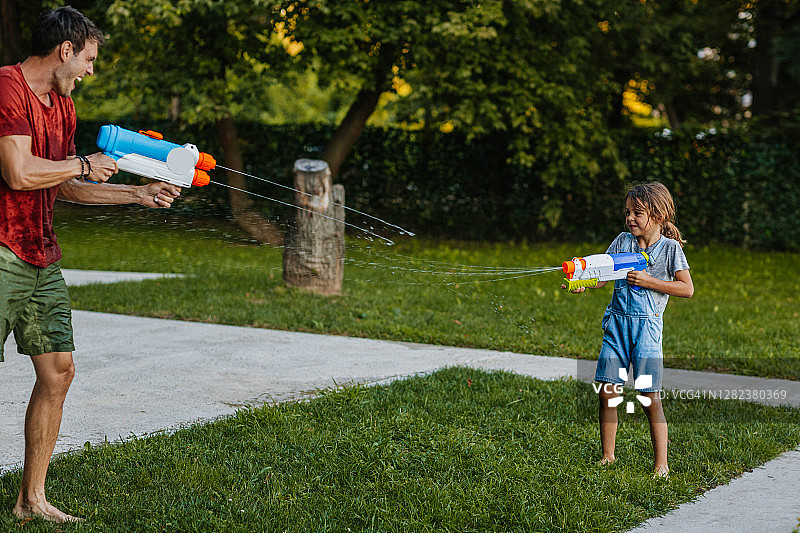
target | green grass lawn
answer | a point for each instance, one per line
(744, 317)
(459, 450)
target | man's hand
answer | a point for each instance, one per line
(158, 194)
(103, 167)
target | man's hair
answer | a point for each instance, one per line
(63, 24)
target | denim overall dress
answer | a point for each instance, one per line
(632, 332)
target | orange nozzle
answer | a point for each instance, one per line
(569, 268)
(153, 134)
(201, 179)
(206, 162)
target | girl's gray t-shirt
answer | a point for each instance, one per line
(668, 260)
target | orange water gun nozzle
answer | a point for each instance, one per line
(201, 178)
(569, 266)
(206, 162)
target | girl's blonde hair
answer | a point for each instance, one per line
(657, 201)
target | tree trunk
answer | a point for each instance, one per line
(366, 101)
(672, 116)
(174, 111)
(428, 138)
(313, 254)
(10, 44)
(244, 215)
(351, 127)
(774, 88)
(765, 77)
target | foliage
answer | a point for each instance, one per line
(728, 188)
(555, 78)
(535, 89)
(458, 450)
(210, 55)
(550, 72)
(530, 91)
(519, 68)
(481, 65)
(681, 60)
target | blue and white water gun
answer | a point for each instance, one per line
(590, 270)
(147, 154)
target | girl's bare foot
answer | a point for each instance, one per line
(45, 511)
(662, 472)
(606, 460)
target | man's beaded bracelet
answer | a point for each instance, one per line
(86, 167)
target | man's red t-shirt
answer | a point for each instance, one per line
(26, 217)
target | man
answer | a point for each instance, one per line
(38, 162)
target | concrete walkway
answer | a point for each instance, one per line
(87, 277)
(137, 376)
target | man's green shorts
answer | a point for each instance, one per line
(35, 304)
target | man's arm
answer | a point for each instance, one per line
(155, 194)
(23, 171)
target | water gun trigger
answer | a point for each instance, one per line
(573, 284)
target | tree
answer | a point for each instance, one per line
(10, 44)
(704, 63)
(368, 45)
(556, 78)
(513, 66)
(16, 20)
(776, 67)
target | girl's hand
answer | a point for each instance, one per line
(576, 291)
(639, 278)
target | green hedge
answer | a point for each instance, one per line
(727, 189)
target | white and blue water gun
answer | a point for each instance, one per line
(147, 154)
(590, 270)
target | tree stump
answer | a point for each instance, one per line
(313, 252)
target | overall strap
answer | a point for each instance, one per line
(653, 255)
(657, 249)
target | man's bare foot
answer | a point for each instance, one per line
(44, 511)
(606, 460)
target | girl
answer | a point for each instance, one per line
(633, 321)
